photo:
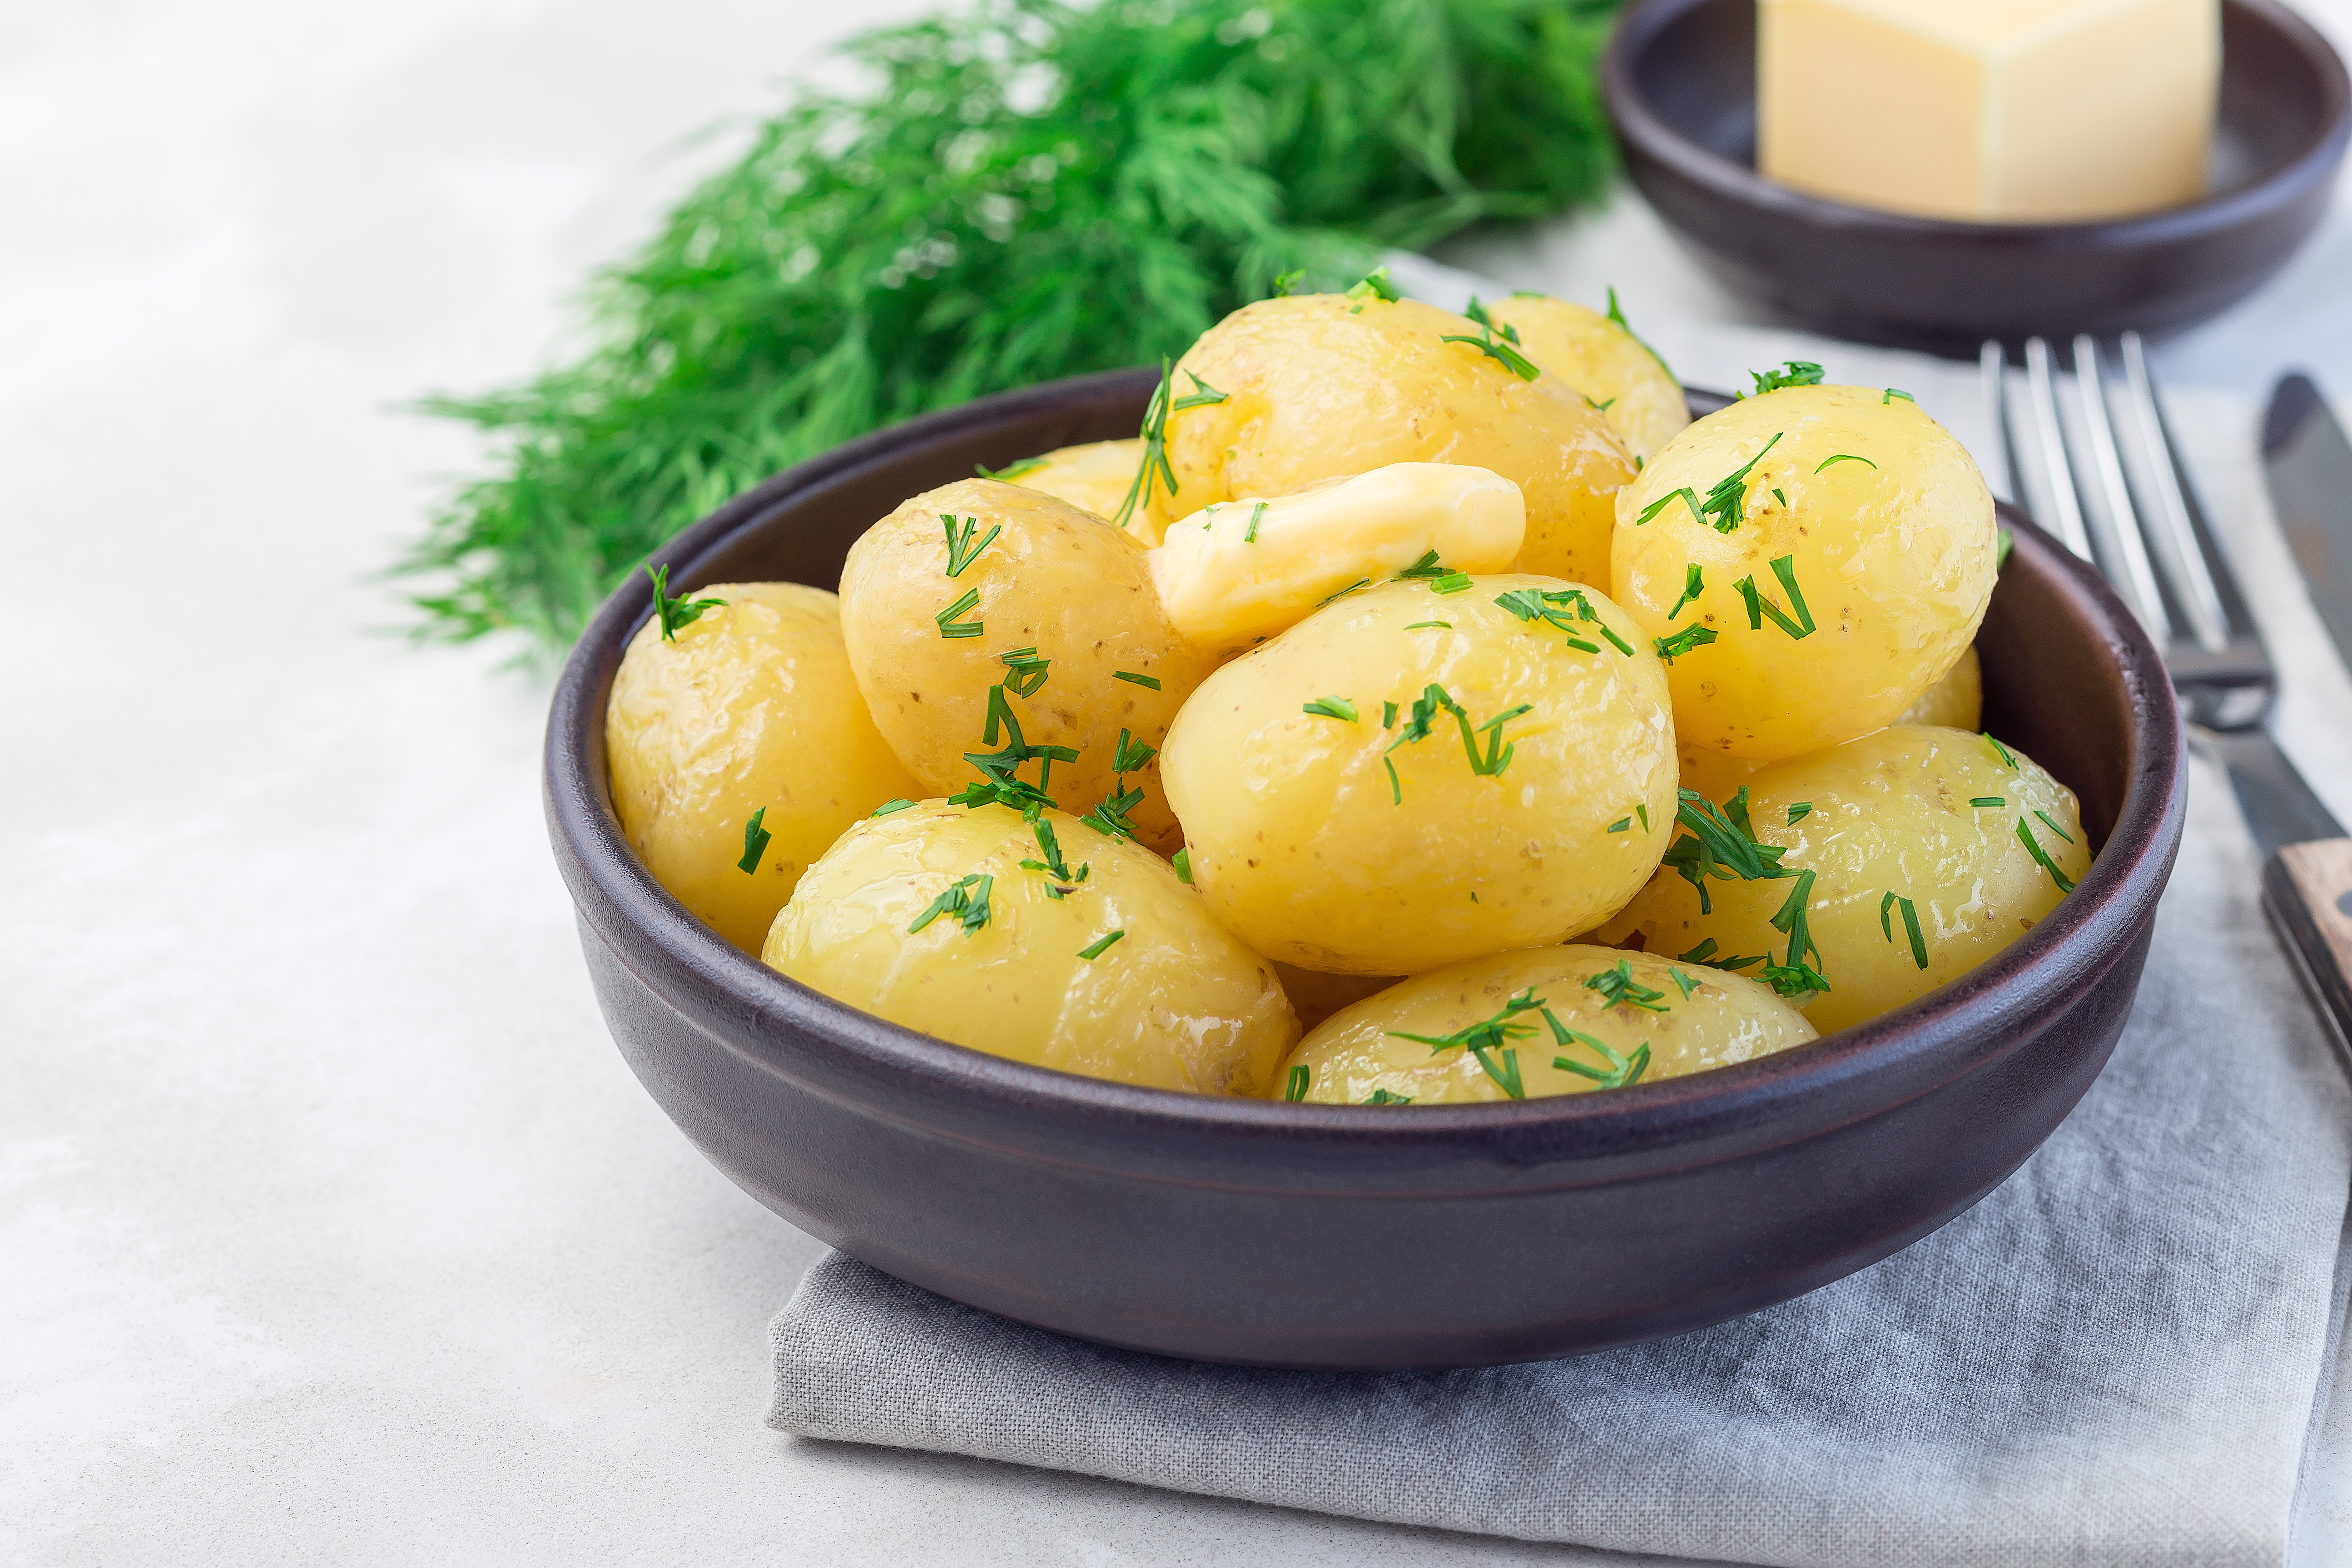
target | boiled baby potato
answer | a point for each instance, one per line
(1939, 827)
(750, 709)
(1094, 478)
(1286, 393)
(1237, 572)
(1045, 941)
(1629, 386)
(1956, 702)
(1412, 776)
(1550, 1020)
(978, 594)
(1810, 561)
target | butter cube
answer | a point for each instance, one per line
(1996, 111)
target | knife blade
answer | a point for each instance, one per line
(2308, 463)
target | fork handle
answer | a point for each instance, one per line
(2307, 893)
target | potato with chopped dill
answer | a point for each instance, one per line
(1422, 771)
(1093, 477)
(1005, 638)
(1287, 393)
(1617, 375)
(1810, 562)
(1538, 1022)
(739, 747)
(1878, 870)
(1043, 941)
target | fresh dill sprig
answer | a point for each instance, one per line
(1025, 190)
(1791, 372)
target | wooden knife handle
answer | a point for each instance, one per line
(2307, 893)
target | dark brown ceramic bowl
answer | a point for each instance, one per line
(1679, 79)
(1335, 1236)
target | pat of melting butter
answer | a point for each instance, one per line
(1241, 570)
(1997, 111)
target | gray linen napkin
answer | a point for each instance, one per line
(2112, 1358)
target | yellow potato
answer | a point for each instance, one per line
(1955, 702)
(1652, 1019)
(1317, 386)
(1892, 813)
(1237, 572)
(1001, 962)
(752, 709)
(1304, 841)
(1868, 507)
(1054, 580)
(1093, 477)
(1630, 385)
(1314, 996)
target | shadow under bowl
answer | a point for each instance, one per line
(1340, 1236)
(1679, 80)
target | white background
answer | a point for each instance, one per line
(332, 1226)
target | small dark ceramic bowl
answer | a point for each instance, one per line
(1313, 1236)
(1679, 80)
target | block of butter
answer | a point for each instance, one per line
(1995, 110)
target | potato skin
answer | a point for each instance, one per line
(1890, 814)
(1725, 1018)
(1177, 1002)
(1093, 477)
(1056, 579)
(753, 708)
(1299, 842)
(1604, 362)
(1955, 702)
(1896, 563)
(1319, 386)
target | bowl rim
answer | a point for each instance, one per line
(1700, 1119)
(1638, 123)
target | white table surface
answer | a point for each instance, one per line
(332, 1226)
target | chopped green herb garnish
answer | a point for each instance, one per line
(1796, 978)
(1331, 708)
(1842, 458)
(1621, 824)
(2003, 753)
(1358, 583)
(1721, 844)
(1598, 407)
(952, 627)
(961, 551)
(755, 842)
(1382, 1097)
(1892, 392)
(1617, 315)
(1618, 988)
(1419, 625)
(2007, 543)
(1682, 642)
(1686, 495)
(1502, 351)
(1492, 1034)
(1006, 474)
(1249, 535)
(1110, 818)
(1726, 506)
(966, 900)
(1623, 1069)
(1427, 566)
(1799, 810)
(1531, 605)
(1396, 790)
(1101, 945)
(1184, 863)
(2033, 847)
(1018, 793)
(675, 614)
(1049, 844)
(1643, 813)
(1374, 284)
(1452, 583)
(1027, 671)
(1983, 801)
(886, 807)
(1388, 715)
(1705, 953)
(1296, 1090)
(1289, 283)
(1683, 982)
(1131, 754)
(1152, 681)
(1785, 569)
(2050, 823)
(1780, 495)
(1694, 583)
(1886, 908)
(1791, 372)
(1155, 468)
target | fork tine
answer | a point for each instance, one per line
(2192, 573)
(2065, 510)
(2121, 534)
(1993, 361)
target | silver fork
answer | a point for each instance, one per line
(2114, 490)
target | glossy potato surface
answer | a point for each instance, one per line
(1640, 399)
(1177, 1002)
(1891, 812)
(1056, 579)
(1703, 1019)
(1317, 386)
(1893, 563)
(753, 708)
(1093, 477)
(1955, 702)
(1300, 842)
